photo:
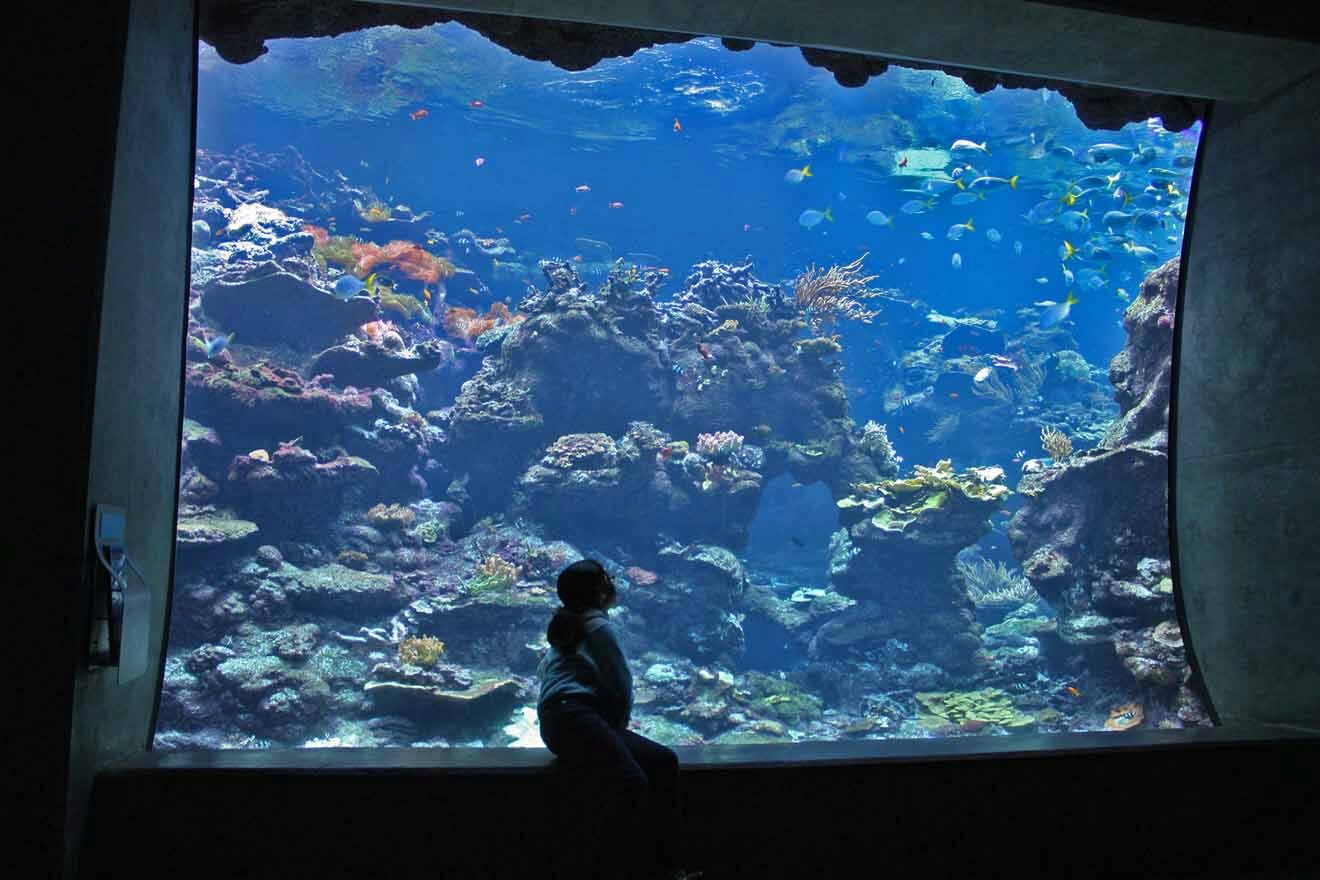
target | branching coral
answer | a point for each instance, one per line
(719, 445)
(1056, 443)
(835, 293)
(991, 584)
(494, 574)
(464, 323)
(423, 651)
(409, 258)
(390, 516)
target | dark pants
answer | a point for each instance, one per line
(633, 786)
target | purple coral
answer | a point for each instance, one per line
(719, 445)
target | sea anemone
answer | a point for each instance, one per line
(1125, 717)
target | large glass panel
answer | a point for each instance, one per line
(859, 394)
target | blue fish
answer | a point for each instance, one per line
(1056, 312)
(217, 344)
(348, 287)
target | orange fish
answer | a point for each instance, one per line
(577, 258)
(616, 204)
(419, 114)
(582, 189)
(479, 161)
(1072, 690)
(677, 125)
(426, 294)
(475, 104)
(953, 395)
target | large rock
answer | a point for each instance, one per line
(371, 364)
(268, 305)
(1142, 370)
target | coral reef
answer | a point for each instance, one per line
(966, 709)
(264, 303)
(834, 294)
(1056, 443)
(373, 363)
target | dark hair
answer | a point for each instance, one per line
(582, 586)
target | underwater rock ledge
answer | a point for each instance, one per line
(239, 29)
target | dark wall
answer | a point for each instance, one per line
(1248, 413)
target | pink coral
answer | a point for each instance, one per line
(640, 576)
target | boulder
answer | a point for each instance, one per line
(269, 305)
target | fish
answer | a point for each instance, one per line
(1122, 294)
(217, 344)
(811, 217)
(994, 236)
(991, 182)
(1116, 219)
(1066, 250)
(616, 204)
(572, 210)
(1042, 280)
(956, 230)
(936, 185)
(523, 218)
(797, 542)
(419, 114)
(1043, 212)
(880, 218)
(678, 126)
(982, 374)
(902, 162)
(1101, 153)
(1067, 273)
(956, 261)
(582, 188)
(1073, 691)
(901, 430)
(953, 395)
(348, 287)
(1056, 312)
(1075, 221)
(797, 485)
(704, 350)
(966, 198)
(475, 105)
(1063, 152)
(927, 236)
(1017, 248)
(917, 206)
(1140, 252)
(795, 175)
(479, 161)
(962, 144)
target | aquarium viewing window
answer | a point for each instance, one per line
(859, 394)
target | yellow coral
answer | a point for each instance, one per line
(420, 651)
(1056, 443)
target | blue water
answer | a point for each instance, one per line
(690, 143)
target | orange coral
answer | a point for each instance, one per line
(320, 235)
(411, 259)
(464, 323)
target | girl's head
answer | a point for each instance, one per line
(583, 586)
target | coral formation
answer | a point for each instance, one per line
(834, 294)
(988, 705)
(420, 650)
(1056, 443)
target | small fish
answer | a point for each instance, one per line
(994, 236)
(479, 161)
(1018, 456)
(583, 188)
(1073, 691)
(953, 395)
(747, 227)
(962, 144)
(937, 185)
(1017, 248)
(902, 162)
(797, 542)
(917, 206)
(458, 212)
(1042, 280)
(956, 230)
(1116, 219)
(991, 182)
(901, 430)
(678, 126)
(927, 236)
(419, 114)
(879, 218)
(982, 374)
(1067, 273)
(616, 204)
(1056, 312)
(523, 218)
(475, 105)
(956, 261)
(1122, 294)
(217, 344)
(795, 175)
(577, 258)
(966, 197)
(348, 287)
(797, 485)
(1066, 251)
(704, 350)
(572, 210)
(811, 218)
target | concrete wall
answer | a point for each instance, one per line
(1248, 412)
(136, 423)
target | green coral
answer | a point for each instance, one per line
(899, 502)
(405, 307)
(431, 531)
(338, 249)
(988, 706)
